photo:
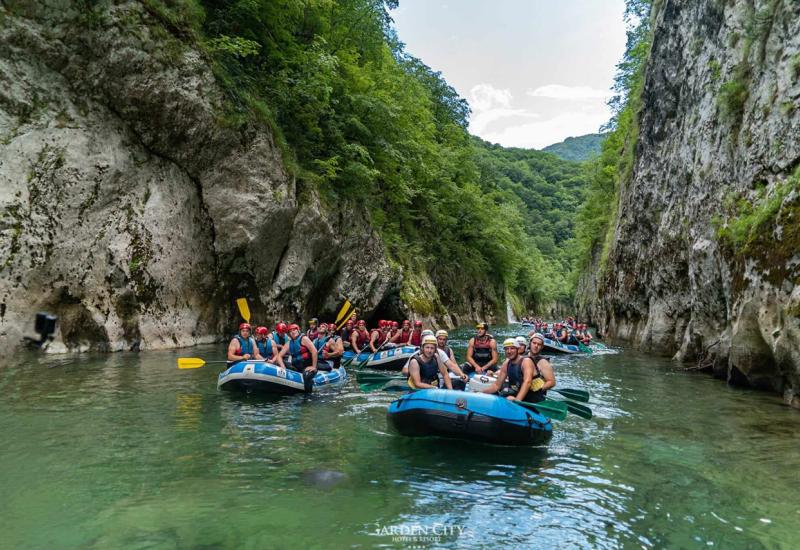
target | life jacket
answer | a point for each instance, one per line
(279, 340)
(428, 371)
(482, 349)
(446, 350)
(298, 351)
(379, 339)
(312, 334)
(362, 338)
(405, 335)
(416, 337)
(516, 377)
(265, 348)
(245, 346)
(320, 343)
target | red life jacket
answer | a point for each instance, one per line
(379, 339)
(362, 338)
(482, 349)
(405, 335)
(416, 337)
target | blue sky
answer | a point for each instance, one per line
(533, 71)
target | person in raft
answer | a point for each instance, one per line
(405, 333)
(347, 330)
(267, 347)
(416, 335)
(481, 351)
(359, 339)
(303, 354)
(426, 366)
(394, 333)
(448, 360)
(329, 348)
(529, 378)
(377, 337)
(312, 331)
(243, 347)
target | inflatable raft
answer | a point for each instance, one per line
(471, 416)
(558, 347)
(388, 359)
(260, 376)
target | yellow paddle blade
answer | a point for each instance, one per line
(244, 309)
(190, 362)
(343, 311)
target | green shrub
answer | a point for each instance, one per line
(731, 100)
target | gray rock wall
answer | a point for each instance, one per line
(131, 208)
(672, 285)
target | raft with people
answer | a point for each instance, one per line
(389, 359)
(468, 415)
(263, 377)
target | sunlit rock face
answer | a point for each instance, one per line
(720, 126)
(136, 207)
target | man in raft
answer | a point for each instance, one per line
(530, 377)
(378, 336)
(243, 347)
(347, 330)
(481, 351)
(405, 333)
(447, 359)
(329, 348)
(359, 339)
(303, 354)
(267, 347)
(312, 331)
(416, 335)
(426, 366)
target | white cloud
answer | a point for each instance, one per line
(485, 96)
(573, 93)
(535, 135)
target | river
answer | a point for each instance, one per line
(127, 451)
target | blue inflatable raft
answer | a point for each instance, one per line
(260, 376)
(471, 416)
(389, 359)
(558, 347)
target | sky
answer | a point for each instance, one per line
(534, 71)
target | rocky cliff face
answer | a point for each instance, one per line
(134, 210)
(719, 139)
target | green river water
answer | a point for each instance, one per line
(127, 451)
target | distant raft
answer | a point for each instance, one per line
(389, 359)
(263, 377)
(558, 347)
(469, 416)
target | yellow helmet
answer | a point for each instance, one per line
(429, 339)
(441, 333)
(509, 343)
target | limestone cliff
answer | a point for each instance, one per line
(705, 259)
(134, 210)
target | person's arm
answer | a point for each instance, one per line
(276, 353)
(284, 349)
(338, 348)
(498, 383)
(453, 366)
(527, 376)
(410, 336)
(395, 339)
(353, 342)
(373, 339)
(549, 376)
(495, 356)
(233, 347)
(413, 371)
(444, 373)
(470, 360)
(312, 350)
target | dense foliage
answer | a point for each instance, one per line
(615, 163)
(363, 121)
(577, 149)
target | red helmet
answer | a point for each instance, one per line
(350, 323)
(361, 322)
(406, 322)
(323, 326)
(381, 323)
(245, 326)
(417, 323)
(293, 327)
(281, 328)
(395, 324)
(262, 330)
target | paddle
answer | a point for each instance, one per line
(584, 348)
(571, 393)
(193, 362)
(368, 359)
(343, 313)
(575, 408)
(551, 409)
(244, 309)
(376, 377)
